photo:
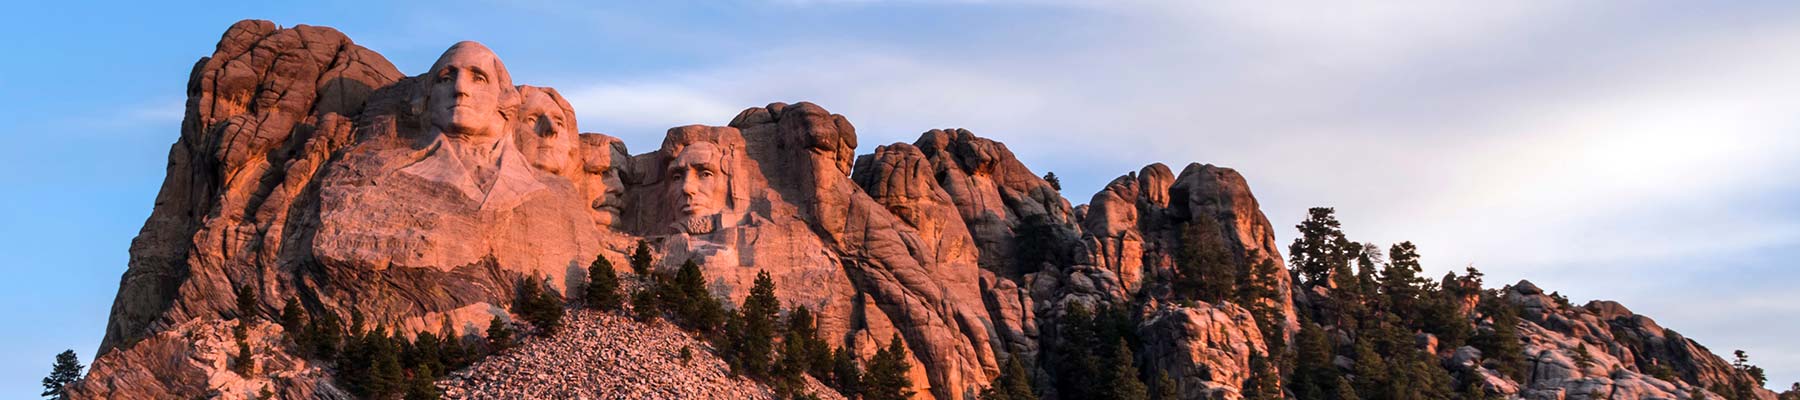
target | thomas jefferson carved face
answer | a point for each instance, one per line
(698, 179)
(546, 132)
(467, 91)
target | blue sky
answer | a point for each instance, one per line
(1634, 151)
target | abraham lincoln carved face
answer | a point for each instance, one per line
(698, 180)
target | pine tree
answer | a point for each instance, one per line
(1206, 268)
(846, 373)
(242, 364)
(246, 302)
(1314, 375)
(1344, 391)
(815, 355)
(499, 334)
(386, 377)
(1321, 248)
(421, 385)
(1501, 342)
(1371, 370)
(603, 286)
(65, 371)
(293, 319)
(886, 377)
(1401, 284)
(1582, 358)
(324, 335)
(754, 340)
(1012, 384)
(1075, 367)
(1263, 381)
(428, 353)
(1165, 388)
(539, 305)
(695, 306)
(455, 352)
(1121, 375)
(1055, 183)
(640, 259)
(644, 305)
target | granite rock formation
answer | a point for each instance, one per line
(309, 168)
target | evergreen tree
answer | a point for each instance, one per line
(1401, 284)
(695, 307)
(814, 355)
(1121, 375)
(1501, 342)
(1582, 358)
(1314, 374)
(846, 374)
(1206, 269)
(324, 335)
(1440, 315)
(1751, 378)
(753, 341)
(640, 259)
(1165, 388)
(293, 319)
(1263, 383)
(886, 378)
(427, 353)
(1344, 391)
(1321, 248)
(499, 334)
(386, 377)
(242, 364)
(603, 286)
(539, 305)
(65, 371)
(644, 305)
(1372, 379)
(246, 302)
(1012, 384)
(1262, 297)
(1073, 362)
(421, 386)
(456, 354)
(1055, 183)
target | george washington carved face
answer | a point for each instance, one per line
(467, 93)
(546, 130)
(698, 180)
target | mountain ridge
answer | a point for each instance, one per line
(309, 168)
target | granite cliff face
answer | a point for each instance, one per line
(309, 168)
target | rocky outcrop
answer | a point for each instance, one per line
(1604, 351)
(264, 113)
(195, 360)
(1206, 349)
(310, 170)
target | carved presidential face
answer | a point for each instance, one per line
(546, 132)
(602, 159)
(468, 88)
(698, 179)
